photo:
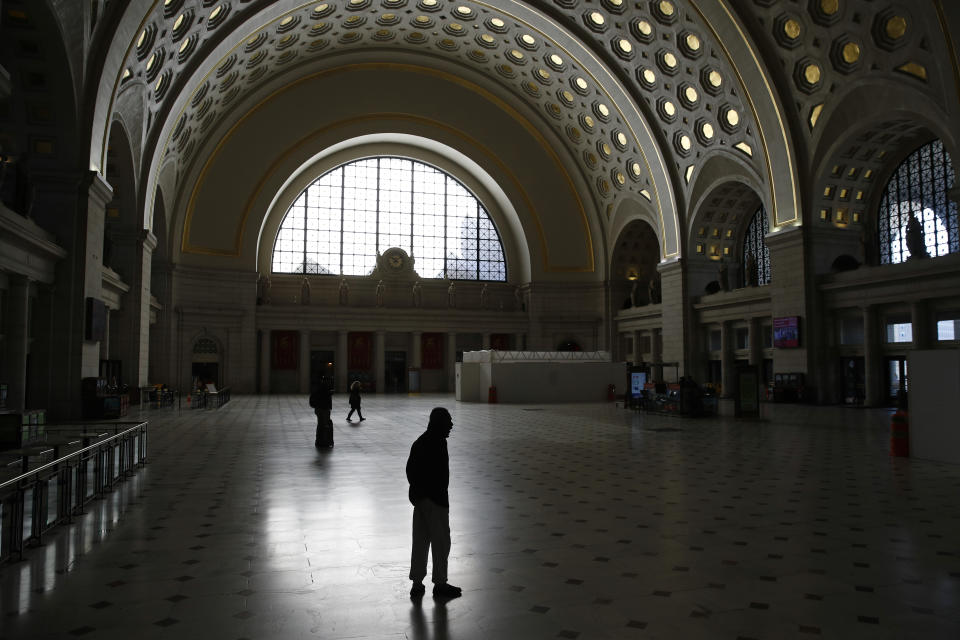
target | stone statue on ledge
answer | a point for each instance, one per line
(344, 291)
(915, 240)
(305, 290)
(380, 290)
(417, 294)
(653, 290)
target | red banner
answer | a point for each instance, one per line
(500, 341)
(431, 351)
(359, 350)
(286, 349)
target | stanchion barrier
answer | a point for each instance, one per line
(492, 395)
(900, 434)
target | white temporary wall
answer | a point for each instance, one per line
(539, 382)
(934, 377)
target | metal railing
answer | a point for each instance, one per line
(37, 500)
(210, 399)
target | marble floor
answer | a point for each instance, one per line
(575, 521)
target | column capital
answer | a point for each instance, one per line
(148, 239)
(97, 187)
(670, 266)
(785, 237)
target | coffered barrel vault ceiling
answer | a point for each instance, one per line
(641, 94)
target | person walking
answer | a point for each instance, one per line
(355, 401)
(428, 472)
(322, 403)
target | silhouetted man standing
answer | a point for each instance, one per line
(428, 471)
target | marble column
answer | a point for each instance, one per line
(726, 359)
(40, 382)
(789, 296)
(132, 321)
(756, 346)
(18, 334)
(673, 305)
(451, 358)
(107, 329)
(379, 359)
(340, 362)
(416, 353)
(162, 361)
(872, 358)
(637, 355)
(920, 325)
(656, 356)
(304, 361)
(265, 363)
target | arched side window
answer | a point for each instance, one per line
(346, 217)
(756, 255)
(919, 188)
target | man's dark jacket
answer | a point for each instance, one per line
(428, 468)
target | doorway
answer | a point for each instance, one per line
(322, 364)
(205, 373)
(854, 385)
(896, 377)
(395, 372)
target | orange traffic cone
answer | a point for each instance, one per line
(900, 434)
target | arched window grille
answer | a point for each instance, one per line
(756, 255)
(205, 345)
(346, 217)
(919, 188)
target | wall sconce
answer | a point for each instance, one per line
(632, 275)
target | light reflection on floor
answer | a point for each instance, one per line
(578, 521)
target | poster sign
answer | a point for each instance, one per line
(286, 349)
(431, 350)
(637, 381)
(786, 332)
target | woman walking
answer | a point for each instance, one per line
(355, 401)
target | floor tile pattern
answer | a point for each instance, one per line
(572, 521)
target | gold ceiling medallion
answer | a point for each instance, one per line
(896, 27)
(791, 29)
(851, 52)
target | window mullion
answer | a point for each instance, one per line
(376, 237)
(412, 174)
(343, 189)
(303, 255)
(446, 271)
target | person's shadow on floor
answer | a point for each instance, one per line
(418, 622)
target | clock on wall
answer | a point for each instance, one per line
(395, 259)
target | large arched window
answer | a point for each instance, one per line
(346, 217)
(919, 188)
(756, 255)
